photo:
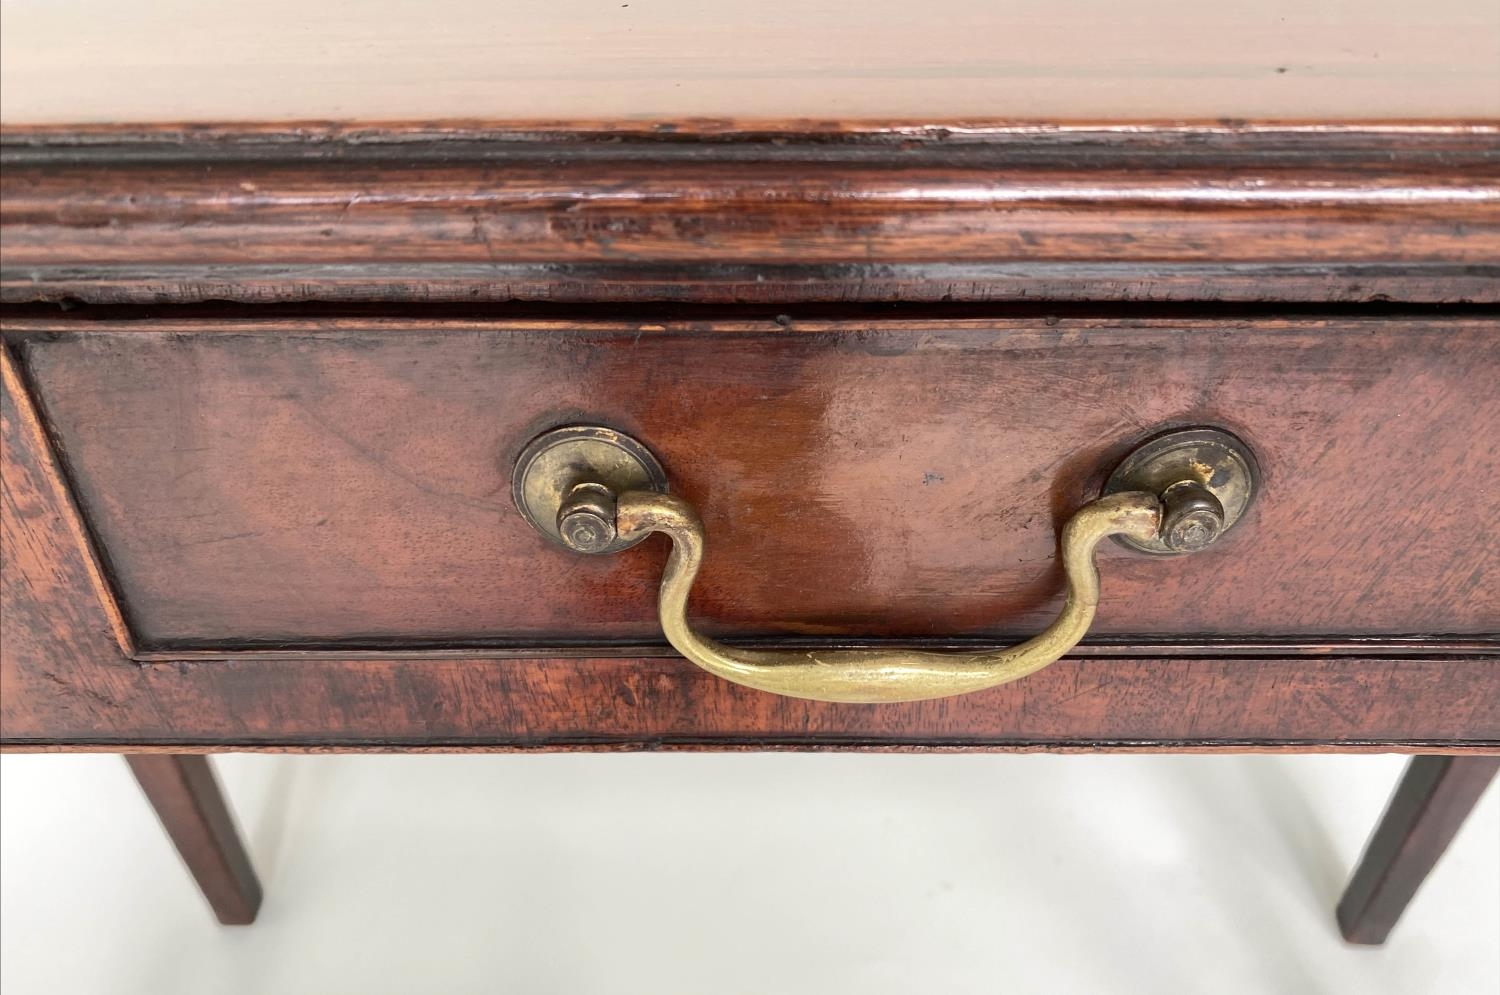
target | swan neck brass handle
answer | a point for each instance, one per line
(1196, 487)
(872, 675)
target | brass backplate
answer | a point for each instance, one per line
(1210, 456)
(554, 462)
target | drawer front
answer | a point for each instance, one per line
(345, 484)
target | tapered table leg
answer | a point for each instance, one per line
(1430, 803)
(183, 790)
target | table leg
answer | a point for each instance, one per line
(1430, 803)
(183, 790)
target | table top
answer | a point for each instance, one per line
(101, 61)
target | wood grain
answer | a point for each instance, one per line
(29, 423)
(344, 483)
(469, 213)
(1285, 705)
(1434, 797)
(1132, 747)
(193, 811)
(56, 631)
(65, 682)
(91, 60)
(403, 428)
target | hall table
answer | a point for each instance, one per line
(503, 377)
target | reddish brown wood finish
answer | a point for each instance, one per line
(192, 809)
(344, 483)
(190, 500)
(64, 680)
(1430, 804)
(765, 213)
(645, 704)
(718, 213)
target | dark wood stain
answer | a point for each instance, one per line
(326, 482)
(1434, 797)
(192, 809)
(64, 680)
(256, 478)
(773, 213)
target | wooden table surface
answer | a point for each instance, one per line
(1300, 194)
(89, 61)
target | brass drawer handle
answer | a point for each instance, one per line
(604, 492)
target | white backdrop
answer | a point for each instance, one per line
(715, 875)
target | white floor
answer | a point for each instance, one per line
(724, 874)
